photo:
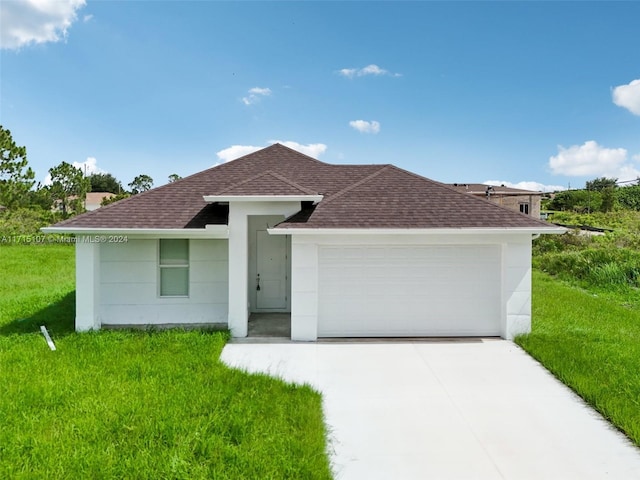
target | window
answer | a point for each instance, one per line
(524, 208)
(174, 268)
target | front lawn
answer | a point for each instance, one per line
(135, 404)
(590, 343)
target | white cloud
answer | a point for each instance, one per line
(87, 18)
(29, 22)
(236, 151)
(312, 149)
(527, 185)
(88, 167)
(368, 70)
(260, 91)
(628, 96)
(255, 94)
(364, 126)
(591, 159)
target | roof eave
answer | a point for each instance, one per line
(262, 198)
(210, 231)
(418, 231)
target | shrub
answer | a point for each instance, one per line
(600, 267)
(25, 221)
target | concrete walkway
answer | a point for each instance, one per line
(476, 409)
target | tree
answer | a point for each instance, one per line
(16, 178)
(629, 197)
(582, 201)
(69, 186)
(140, 184)
(174, 177)
(599, 184)
(40, 197)
(608, 199)
(119, 196)
(105, 182)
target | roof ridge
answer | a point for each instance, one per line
(292, 183)
(271, 173)
(298, 152)
(357, 184)
(245, 181)
(272, 146)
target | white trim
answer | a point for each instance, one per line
(211, 231)
(415, 231)
(262, 198)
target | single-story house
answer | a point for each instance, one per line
(347, 250)
(524, 201)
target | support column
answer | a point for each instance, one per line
(516, 288)
(87, 284)
(304, 291)
(238, 271)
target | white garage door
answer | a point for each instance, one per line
(409, 291)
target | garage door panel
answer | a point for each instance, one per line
(409, 290)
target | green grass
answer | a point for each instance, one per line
(590, 343)
(135, 404)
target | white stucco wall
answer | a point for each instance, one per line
(128, 284)
(516, 288)
(87, 285)
(515, 303)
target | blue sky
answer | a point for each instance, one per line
(535, 94)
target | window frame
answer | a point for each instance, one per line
(525, 207)
(184, 266)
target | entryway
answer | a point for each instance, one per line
(269, 289)
(270, 325)
(271, 271)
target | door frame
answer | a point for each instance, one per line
(255, 224)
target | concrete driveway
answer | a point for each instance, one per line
(467, 409)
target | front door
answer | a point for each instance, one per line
(271, 278)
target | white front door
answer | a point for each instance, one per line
(271, 278)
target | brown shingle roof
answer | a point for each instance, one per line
(395, 198)
(267, 183)
(355, 196)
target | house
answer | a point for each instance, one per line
(94, 200)
(347, 250)
(524, 201)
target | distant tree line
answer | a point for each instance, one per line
(599, 195)
(67, 192)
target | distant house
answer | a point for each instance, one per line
(94, 200)
(523, 201)
(345, 250)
